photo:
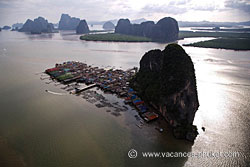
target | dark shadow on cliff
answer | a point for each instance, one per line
(166, 80)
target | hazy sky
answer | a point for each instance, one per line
(12, 11)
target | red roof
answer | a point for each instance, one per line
(52, 69)
(151, 115)
(138, 103)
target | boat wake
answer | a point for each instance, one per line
(231, 84)
(221, 61)
(55, 93)
(3, 52)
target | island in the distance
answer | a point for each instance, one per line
(167, 81)
(38, 26)
(6, 27)
(233, 39)
(82, 27)
(224, 43)
(165, 30)
(68, 23)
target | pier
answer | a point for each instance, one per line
(79, 90)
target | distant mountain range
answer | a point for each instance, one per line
(212, 24)
(102, 22)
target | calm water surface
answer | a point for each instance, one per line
(46, 130)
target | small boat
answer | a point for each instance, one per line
(160, 129)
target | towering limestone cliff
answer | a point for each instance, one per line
(123, 27)
(168, 29)
(38, 26)
(82, 27)
(166, 80)
(165, 30)
(68, 23)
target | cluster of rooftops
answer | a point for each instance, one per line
(109, 80)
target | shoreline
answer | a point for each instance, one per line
(237, 44)
(230, 40)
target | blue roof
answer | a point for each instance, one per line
(133, 97)
(136, 101)
(66, 69)
(130, 90)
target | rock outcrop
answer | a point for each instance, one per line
(123, 27)
(38, 26)
(108, 26)
(166, 80)
(17, 26)
(6, 28)
(82, 27)
(68, 23)
(168, 28)
(165, 30)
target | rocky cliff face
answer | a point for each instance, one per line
(108, 26)
(82, 27)
(168, 29)
(68, 23)
(166, 79)
(123, 27)
(38, 26)
(165, 30)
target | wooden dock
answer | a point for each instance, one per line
(85, 88)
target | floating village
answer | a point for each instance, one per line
(79, 78)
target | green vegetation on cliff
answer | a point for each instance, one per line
(224, 43)
(167, 80)
(113, 37)
(148, 84)
(155, 81)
